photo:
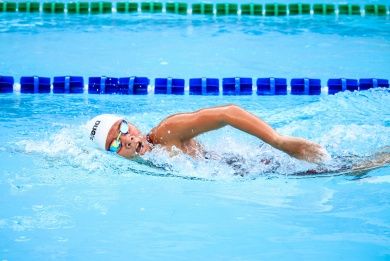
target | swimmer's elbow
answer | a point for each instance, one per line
(229, 113)
(232, 107)
(217, 117)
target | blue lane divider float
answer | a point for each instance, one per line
(271, 86)
(305, 86)
(68, 84)
(237, 86)
(6, 84)
(365, 84)
(197, 86)
(204, 86)
(134, 85)
(124, 85)
(35, 84)
(102, 85)
(342, 84)
(169, 86)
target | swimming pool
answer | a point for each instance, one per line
(62, 199)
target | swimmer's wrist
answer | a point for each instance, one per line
(279, 142)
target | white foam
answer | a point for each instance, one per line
(69, 145)
(238, 154)
(376, 180)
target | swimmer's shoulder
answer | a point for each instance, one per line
(169, 130)
(163, 135)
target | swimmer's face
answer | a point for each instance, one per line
(132, 144)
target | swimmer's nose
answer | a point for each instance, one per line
(131, 140)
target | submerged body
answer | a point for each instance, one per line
(340, 165)
(179, 131)
(358, 167)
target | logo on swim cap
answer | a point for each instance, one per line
(99, 127)
(93, 132)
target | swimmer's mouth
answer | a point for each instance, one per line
(139, 147)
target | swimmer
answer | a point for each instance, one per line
(113, 133)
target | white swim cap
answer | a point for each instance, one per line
(99, 127)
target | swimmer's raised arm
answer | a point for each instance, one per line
(186, 126)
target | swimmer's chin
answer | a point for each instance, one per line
(142, 152)
(146, 147)
(134, 157)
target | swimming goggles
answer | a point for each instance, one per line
(116, 144)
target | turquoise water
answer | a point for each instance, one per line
(61, 199)
(195, 46)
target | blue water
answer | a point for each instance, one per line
(60, 199)
(195, 46)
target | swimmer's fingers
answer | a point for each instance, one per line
(312, 152)
(315, 153)
(303, 149)
(322, 156)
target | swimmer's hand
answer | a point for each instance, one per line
(302, 149)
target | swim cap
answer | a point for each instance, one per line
(99, 127)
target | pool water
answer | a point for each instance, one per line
(62, 199)
(161, 45)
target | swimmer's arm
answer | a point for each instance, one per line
(189, 125)
(293, 146)
(186, 126)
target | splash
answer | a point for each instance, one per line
(351, 126)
